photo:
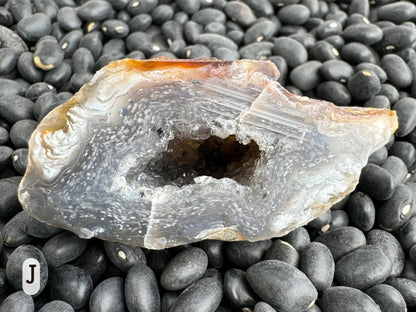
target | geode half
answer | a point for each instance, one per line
(163, 152)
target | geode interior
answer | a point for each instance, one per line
(164, 152)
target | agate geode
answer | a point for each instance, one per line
(163, 152)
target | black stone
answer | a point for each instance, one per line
(378, 101)
(406, 112)
(70, 284)
(13, 234)
(363, 33)
(95, 10)
(108, 296)
(405, 151)
(57, 305)
(18, 301)
(93, 260)
(394, 212)
(185, 268)
(36, 228)
(294, 14)
(323, 51)
(381, 74)
(141, 289)
(9, 203)
(124, 256)
(240, 12)
(318, 264)
(387, 297)
(63, 248)
(262, 29)
(21, 131)
(20, 9)
(34, 27)
(244, 254)
(363, 85)
(8, 60)
(271, 277)
(15, 263)
(68, 19)
(297, 238)
(237, 290)
(140, 22)
(395, 38)
(363, 268)
(291, 50)
(407, 289)
(342, 240)
(48, 55)
(398, 12)
(334, 92)
(208, 15)
(342, 298)
(306, 76)
(161, 14)
(355, 53)
(361, 211)
(214, 251)
(70, 42)
(398, 72)
(282, 251)
(189, 6)
(5, 156)
(27, 68)
(58, 76)
(336, 70)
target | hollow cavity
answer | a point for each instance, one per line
(186, 159)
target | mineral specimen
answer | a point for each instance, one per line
(163, 152)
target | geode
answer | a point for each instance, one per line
(163, 152)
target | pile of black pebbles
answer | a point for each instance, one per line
(359, 256)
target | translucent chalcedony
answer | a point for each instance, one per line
(164, 152)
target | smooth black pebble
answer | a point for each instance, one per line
(141, 289)
(185, 268)
(108, 296)
(63, 248)
(282, 251)
(387, 297)
(363, 85)
(342, 240)
(318, 265)
(394, 212)
(244, 254)
(15, 263)
(271, 277)
(361, 211)
(406, 113)
(124, 256)
(390, 246)
(70, 284)
(21, 131)
(18, 302)
(398, 72)
(203, 295)
(237, 289)
(342, 298)
(376, 182)
(363, 268)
